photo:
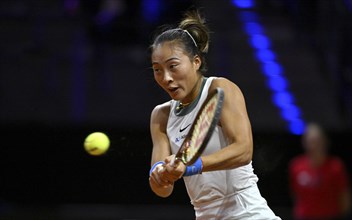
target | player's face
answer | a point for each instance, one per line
(314, 142)
(175, 72)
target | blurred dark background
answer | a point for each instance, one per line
(71, 67)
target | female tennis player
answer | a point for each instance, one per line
(221, 183)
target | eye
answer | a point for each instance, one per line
(156, 69)
(172, 66)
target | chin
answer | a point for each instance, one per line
(178, 96)
(175, 97)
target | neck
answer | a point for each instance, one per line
(317, 159)
(194, 92)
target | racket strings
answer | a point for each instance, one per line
(200, 129)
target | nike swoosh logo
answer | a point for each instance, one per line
(182, 129)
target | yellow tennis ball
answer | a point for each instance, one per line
(96, 143)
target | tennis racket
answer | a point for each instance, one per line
(202, 128)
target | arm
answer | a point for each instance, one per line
(345, 202)
(161, 149)
(236, 127)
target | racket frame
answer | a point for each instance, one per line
(215, 120)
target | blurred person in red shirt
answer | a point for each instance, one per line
(319, 181)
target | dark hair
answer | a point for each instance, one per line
(192, 34)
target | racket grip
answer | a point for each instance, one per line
(172, 163)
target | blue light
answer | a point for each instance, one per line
(248, 16)
(265, 55)
(291, 112)
(243, 3)
(282, 99)
(260, 41)
(297, 127)
(151, 10)
(271, 69)
(253, 28)
(277, 84)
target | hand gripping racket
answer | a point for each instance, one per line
(202, 128)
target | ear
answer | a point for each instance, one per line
(197, 62)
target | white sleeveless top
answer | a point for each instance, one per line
(208, 186)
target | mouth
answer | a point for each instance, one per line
(173, 89)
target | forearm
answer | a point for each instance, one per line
(230, 157)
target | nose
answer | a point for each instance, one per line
(167, 79)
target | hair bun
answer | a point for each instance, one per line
(194, 23)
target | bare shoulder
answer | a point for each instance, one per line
(225, 84)
(161, 113)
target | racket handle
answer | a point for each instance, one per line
(172, 163)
